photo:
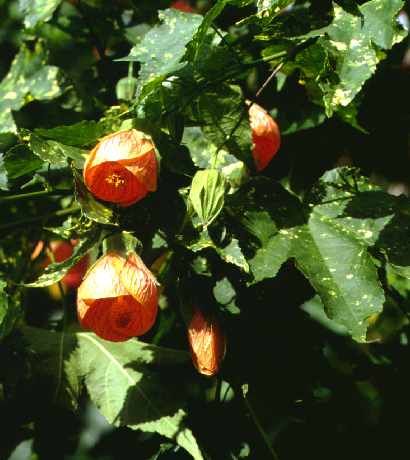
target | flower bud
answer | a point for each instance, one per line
(118, 298)
(207, 343)
(122, 168)
(265, 136)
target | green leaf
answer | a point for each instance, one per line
(224, 116)
(359, 206)
(347, 215)
(57, 270)
(269, 258)
(225, 295)
(82, 134)
(20, 161)
(125, 381)
(125, 88)
(161, 50)
(52, 352)
(3, 174)
(10, 309)
(122, 242)
(340, 270)
(232, 254)
(55, 153)
(4, 306)
(303, 117)
(350, 44)
(344, 215)
(315, 309)
(28, 79)
(267, 212)
(70, 228)
(127, 390)
(379, 25)
(201, 33)
(355, 56)
(90, 207)
(349, 115)
(37, 10)
(207, 195)
(205, 155)
(268, 10)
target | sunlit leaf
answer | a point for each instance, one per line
(29, 78)
(207, 195)
(124, 381)
(37, 10)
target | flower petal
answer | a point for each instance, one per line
(102, 280)
(113, 182)
(116, 319)
(139, 281)
(207, 343)
(265, 136)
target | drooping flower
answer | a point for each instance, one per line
(122, 167)
(118, 298)
(182, 5)
(265, 136)
(207, 342)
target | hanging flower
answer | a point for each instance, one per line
(207, 343)
(265, 136)
(118, 298)
(182, 5)
(122, 168)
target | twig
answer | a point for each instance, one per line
(259, 427)
(245, 110)
(62, 337)
(25, 196)
(218, 389)
(233, 72)
(45, 217)
(233, 50)
(269, 79)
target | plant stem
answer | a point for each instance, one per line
(225, 41)
(218, 388)
(45, 217)
(246, 109)
(259, 427)
(268, 80)
(63, 330)
(265, 59)
(27, 196)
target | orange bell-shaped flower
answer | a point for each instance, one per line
(118, 298)
(265, 136)
(122, 168)
(207, 343)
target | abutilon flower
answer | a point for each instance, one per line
(207, 343)
(122, 167)
(118, 298)
(182, 5)
(265, 136)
